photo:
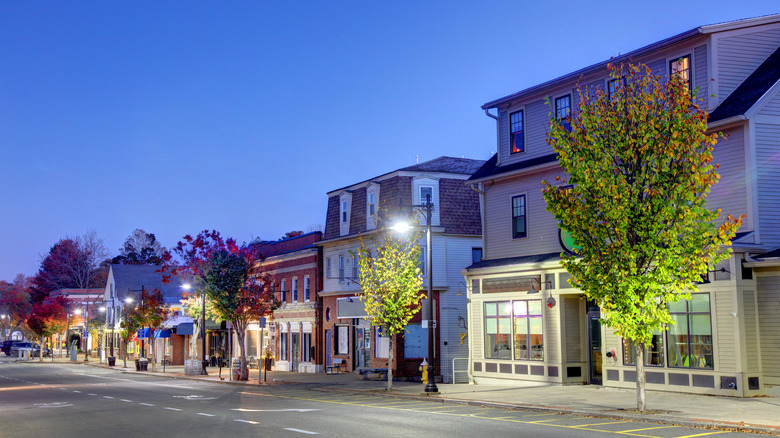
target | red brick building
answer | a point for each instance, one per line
(294, 329)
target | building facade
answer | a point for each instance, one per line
(295, 266)
(527, 323)
(353, 214)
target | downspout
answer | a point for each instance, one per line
(481, 214)
(498, 134)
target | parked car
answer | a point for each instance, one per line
(5, 346)
(35, 349)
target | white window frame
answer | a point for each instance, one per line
(341, 268)
(283, 294)
(306, 288)
(294, 289)
(327, 267)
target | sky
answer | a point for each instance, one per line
(176, 117)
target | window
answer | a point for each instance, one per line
(563, 109)
(371, 204)
(690, 338)
(422, 260)
(295, 290)
(527, 318)
(283, 292)
(344, 211)
(354, 267)
(613, 85)
(283, 339)
(306, 346)
(306, 289)
(518, 216)
(498, 330)
(341, 268)
(682, 68)
(654, 352)
(426, 192)
(342, 340)
(516, 132)
(476, 255)
(382, 343)
(327, 267)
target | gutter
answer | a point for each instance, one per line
(728, 121)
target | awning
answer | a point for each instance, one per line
(162, 333)
(184, 329)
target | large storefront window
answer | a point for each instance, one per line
(654, 351)
(498, 330)
(690, 338)
(528, 330)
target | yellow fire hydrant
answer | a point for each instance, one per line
(424, 369)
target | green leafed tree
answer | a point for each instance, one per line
(391, 282)
(149, 312)
(639, 165)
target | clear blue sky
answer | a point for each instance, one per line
(176, 117)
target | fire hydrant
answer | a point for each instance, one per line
(424, 369)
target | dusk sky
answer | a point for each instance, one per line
(176, 117)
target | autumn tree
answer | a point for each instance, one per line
(291, 234)
(127, 328)
(15, 301)
(47, 318)
(391, 282)
(226, 272)
(150, 312)
(73, 262)
(639, 160)
(193, 304)
(140, 248)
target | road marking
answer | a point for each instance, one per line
(125, 400)
(599, 424)
(77, 392)
(173, 409)
(145, 404)
(274, 410)
(53, 405)
(194, 397)
(64, 389)
(205, 415)
(107, 396)
(703, 434)
(91, 394)
(308, 432)
(246, 421)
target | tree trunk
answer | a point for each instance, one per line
(151, 348)
(641, 400)
(390, 365)
(240, 334)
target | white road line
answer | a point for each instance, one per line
(91, 394)
(246, 421)
(145, 404)
(307, 432)
(78, 392)
(125, 400)
(107, 396)
(205, 415)
(173, 409)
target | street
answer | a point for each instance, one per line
(63, 400)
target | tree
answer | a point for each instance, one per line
(140, 248)
(227, 274)
(150, 312)
(291, 234)
(47, 318)
(71, 263)
(15, 300)
(391, 281)
(640, 168)
(127, 328)
(193, 304)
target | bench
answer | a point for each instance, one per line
(381, 373)
(336, 365)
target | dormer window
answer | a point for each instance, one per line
(344, 211)
(425, 194)
(516, 132)
(371, 204)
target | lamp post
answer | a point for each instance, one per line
(128, 300)
(2, 325)
(401, 227)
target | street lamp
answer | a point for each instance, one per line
(402, 227)
(128, 300)
(203, 371)
(2, 325)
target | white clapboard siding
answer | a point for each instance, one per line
(476, 330)
(771, 108)
(724, 329)
(767, 141)
(541, 224)
(769, 324)
(730, 193)
(573, 315)
(740, 54)
(701, 76)
(750, 323)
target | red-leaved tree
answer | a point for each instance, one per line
(47, 318)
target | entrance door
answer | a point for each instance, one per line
(328, 348)
(295, 351)
(594, 344)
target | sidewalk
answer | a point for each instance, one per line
(758, 414)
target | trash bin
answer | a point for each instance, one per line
(111, 361)
(143, 363)
(268, 361)
(137, 365)
(213, 361)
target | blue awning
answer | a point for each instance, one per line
(185, 328)
(162, 333)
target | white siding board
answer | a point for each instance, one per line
(552, 334)
(730, 193)
(723, 329)
(750, 321)
(701, 77)
(768, 289)
(572, 324)
(772, 108)
(739, 55)
(767, 140)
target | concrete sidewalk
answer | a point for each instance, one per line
(758, 414)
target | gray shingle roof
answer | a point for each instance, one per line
(750, 90)
(464, 166)
(130, 279)
(490, 168)
(509, 261)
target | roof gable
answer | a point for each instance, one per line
(750, 91)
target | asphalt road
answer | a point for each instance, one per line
(56, 400)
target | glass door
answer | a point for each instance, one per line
(594, 346)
